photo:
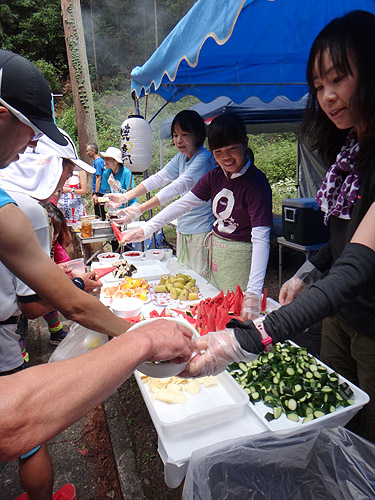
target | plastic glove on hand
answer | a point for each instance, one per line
(129, 214)
(306, 275)
(133, 235)
(134, 211)
(215, 351)
(111, 180)
(251, 306)
(116, 200)
(291, 289)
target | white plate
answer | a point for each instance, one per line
(212, 405)
(167, 369)
(148, 269)
(164, 299)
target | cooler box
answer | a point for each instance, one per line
(303, 221)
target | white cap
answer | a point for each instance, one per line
(112, 152)
(46, 146)
(32, 174)
(38, 171)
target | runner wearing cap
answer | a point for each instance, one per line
(40, 399)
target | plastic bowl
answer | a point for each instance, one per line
(168, 253)
(133, 256)
(164, 368)
(108, 257)
(127, 306)
(154, 254)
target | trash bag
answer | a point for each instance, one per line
(78, 341)
(332, 464)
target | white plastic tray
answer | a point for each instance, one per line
(148, 269)
(211, 406)
(340, 417)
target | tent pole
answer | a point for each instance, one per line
(298, 167)
(161, 154)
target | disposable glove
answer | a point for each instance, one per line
(215, 351)
(306, 275)
(251, 306)
(133, 235)
(129, 214)
(116, 200)
(111, 181)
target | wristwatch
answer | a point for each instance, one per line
(79, 283)
(266, 339)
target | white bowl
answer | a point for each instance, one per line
(133, 256)
(168, 253)
(154, 254)
(165, 368)
(127, 306)
(108, 257)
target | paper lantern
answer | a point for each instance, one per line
(136, 143)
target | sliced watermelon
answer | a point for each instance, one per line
(119, 234)
(134, 319)
(103, 272)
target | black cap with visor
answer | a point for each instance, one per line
(25, 93)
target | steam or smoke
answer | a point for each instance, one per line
(124, 31)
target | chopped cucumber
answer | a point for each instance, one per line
(291, 381)
(277, 411)
(293, 416)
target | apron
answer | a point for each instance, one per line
(230, 262)
(192, 253)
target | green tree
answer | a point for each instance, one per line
(33, 28)
(275, 155)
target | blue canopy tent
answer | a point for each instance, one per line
(279, 115)
(238, 49)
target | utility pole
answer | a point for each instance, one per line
(79, 74)
(156, 26)
(94, 48)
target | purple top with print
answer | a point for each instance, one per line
(238, 204)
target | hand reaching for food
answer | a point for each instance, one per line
(251, 306)
(116, 200)
(133, 235)
(215, 351)
(167, 340)
(129, 214)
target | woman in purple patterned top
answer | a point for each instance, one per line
(340, 124)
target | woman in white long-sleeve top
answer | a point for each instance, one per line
(191, 163)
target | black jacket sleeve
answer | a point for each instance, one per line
(354, 269)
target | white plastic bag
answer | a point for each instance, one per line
(317, 464)
(78, 341)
